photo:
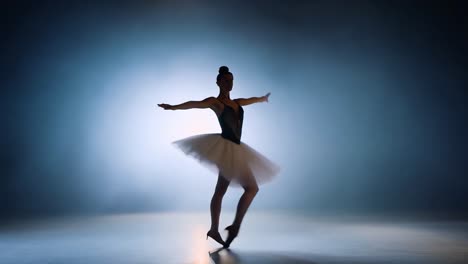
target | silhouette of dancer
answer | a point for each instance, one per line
(234, 160)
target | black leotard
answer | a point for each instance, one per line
(231, 123)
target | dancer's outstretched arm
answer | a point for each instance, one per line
(206, 103)
(252, 100)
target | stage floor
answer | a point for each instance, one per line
(266, 237)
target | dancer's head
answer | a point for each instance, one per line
(224, 79)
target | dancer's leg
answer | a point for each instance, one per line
(216, 201)
(250, 190)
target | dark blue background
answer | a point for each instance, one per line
(371, 97)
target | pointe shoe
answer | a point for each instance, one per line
(215, 236)
(232, 233)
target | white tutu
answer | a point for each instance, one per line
(236, 162)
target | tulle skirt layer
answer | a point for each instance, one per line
(238, 163)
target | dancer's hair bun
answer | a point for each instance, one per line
(223, 70)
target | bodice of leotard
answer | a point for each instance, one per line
(231, 123)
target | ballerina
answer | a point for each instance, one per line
(234, 161)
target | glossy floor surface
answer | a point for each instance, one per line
(266, 237)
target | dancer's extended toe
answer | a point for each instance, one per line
(232, 233)
(216, 237)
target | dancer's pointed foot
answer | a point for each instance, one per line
(215, 236)
(233, 230)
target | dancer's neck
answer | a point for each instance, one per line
(224, 96)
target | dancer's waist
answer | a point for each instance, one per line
(231, 137)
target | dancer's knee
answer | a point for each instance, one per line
(220, 192)
(252, 190)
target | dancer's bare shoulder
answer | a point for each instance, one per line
(214, 104)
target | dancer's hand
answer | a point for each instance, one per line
(166, 106)
(266, 97)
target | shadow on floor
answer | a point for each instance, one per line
(227, 256)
